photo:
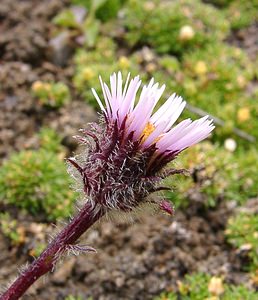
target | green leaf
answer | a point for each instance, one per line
(91, 31)
(96, 4)
(66, 18)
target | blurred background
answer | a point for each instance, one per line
(51, 53)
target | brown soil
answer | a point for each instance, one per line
(247, 39)
(133, 261)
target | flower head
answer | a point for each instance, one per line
(134, 144)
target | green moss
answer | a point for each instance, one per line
(37, 181)
(52, 94)
(220, 74)
(242, 13)
(239, 293)
(196, 287)
(222, 174)
(242, 231)
(215, 79)
(50, 140)
(160, 24)
(10, 229)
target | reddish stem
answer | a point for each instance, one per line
(48, 258)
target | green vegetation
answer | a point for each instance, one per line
(242, 232)
(216, 77)
(221, 173)
(37, 250)
(71, 297)
(173, 26)
(220, 3)
(37, 181)
(98, 12)
(49, 140)
(66, 19)
(102, 61)
(10, 229)
(242, 13)
(201, 286)
(215, 80)
(52, 94)
(104, 9)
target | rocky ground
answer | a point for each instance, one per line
(135, 261)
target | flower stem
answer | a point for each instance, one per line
(48, 258)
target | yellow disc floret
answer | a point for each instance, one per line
(149, 128)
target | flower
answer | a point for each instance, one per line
(216, 286)
(134, 144)
(200, 68)
(186, 33)
(230, 145)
